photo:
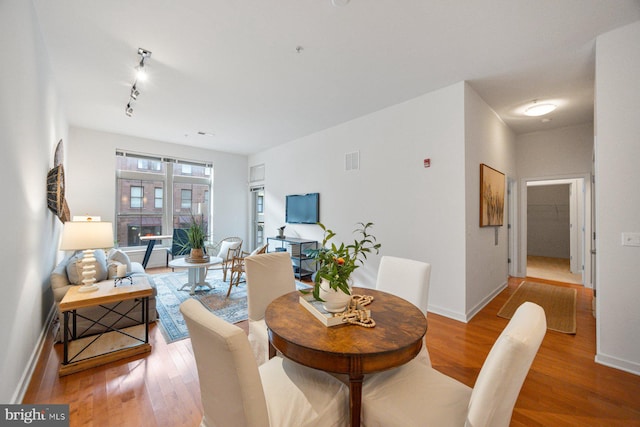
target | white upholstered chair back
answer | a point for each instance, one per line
(230, 385)
(415, 394)
(406, 278)
(268, 277)
(498, 385)
(235, 392)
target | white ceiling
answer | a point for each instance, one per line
(230, 67)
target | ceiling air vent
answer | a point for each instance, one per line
(352, 161)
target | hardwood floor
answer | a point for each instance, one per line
(565, 387)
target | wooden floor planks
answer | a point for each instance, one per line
(565, 387)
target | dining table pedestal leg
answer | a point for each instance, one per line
(355, 399)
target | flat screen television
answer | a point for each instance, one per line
(303, 208)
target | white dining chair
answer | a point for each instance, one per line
(235, 392)
(268, 276)
(408, 279)
(418, 395)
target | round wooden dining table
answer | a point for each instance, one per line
(348, 349)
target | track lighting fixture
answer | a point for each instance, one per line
(141, 75)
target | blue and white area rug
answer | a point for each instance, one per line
(169, 298)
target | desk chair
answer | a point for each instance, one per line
(409, 280)
(179, 245)
(418, 395)
(268, 277)
(236, 393)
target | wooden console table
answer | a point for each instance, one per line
(84, 352)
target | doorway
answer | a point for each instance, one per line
(257, 217)
(554, 223)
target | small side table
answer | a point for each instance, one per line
(197, 272)
(94, 350)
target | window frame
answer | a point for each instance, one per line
(154, 173)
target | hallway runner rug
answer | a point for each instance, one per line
(558, 302)
(169, 298)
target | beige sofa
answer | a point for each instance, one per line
(68, 273)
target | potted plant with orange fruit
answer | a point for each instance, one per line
(332, 281)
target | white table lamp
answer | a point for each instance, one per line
(87, 236)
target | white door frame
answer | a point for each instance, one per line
(512, 225)
(583, 218)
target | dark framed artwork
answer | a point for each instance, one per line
(492, 189)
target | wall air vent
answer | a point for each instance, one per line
(256, 173)
(352, 161)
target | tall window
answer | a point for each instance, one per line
(137, 197)
(158, 198)
(180, 191)
(185, 202)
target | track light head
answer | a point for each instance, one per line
(129, 110)
(141, 73)
(134, 92)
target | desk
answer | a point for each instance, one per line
(348, 349)
(197, 271)
(83, 352)
(151, 242)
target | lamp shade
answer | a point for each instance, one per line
(80, 235)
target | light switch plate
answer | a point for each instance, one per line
(630, 239)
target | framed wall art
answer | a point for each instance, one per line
(492, 189)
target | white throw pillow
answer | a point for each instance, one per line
(224, 249)
(257, 250)
(121, 257)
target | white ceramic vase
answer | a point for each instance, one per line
(335, 300)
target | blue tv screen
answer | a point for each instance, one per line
(303, 208)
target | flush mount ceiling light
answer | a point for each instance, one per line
(340, 3)
(539, 109)
(141, 75)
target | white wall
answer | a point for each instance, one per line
(418, 212)
(91, 184)
(31, 124)
(617, 196)
(556, 152)
(549, 155)
(487, 140)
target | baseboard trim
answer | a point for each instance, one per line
(486, 300)
(614, 362)
(446, 313)
(27, 375)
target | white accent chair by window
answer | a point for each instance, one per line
(408, 279)
(268, 277)
(236, 393)
(418, 395)
(228, 248)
